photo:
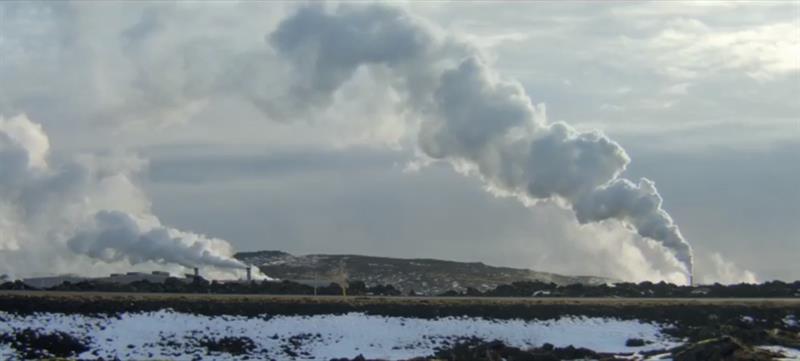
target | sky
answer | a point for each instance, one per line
(145, 134)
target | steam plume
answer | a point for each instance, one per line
(89, 206)
(467, 114)
(118, 236)
(473, 118)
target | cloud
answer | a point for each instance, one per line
(689, 49)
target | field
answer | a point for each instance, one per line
(210, 326)
(423, 307)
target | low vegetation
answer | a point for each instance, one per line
(774, 289)
(199, 285)
(636, 290)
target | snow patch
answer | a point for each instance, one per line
(788, 353)
(790, 321)
(143, 335)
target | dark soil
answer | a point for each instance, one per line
(722, 348)
(35, 344)
(636, 342)
(718, 349)
(766, 314)
(232, 345)
(477, 349)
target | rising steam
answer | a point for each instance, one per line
(89, 206)
(116, 236)
(466, 113)
(474, 119)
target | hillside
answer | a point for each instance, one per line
(424, 276)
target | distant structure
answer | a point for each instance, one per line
(52, 281)
(116, 278)
(123, 278)
(130, 277)
(316, 283)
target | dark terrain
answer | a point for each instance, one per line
(423, 276)
(535, 289)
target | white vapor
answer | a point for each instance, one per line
(55, 215)
(473, 118)
(166, 62)
(116, 236)
(724, 271)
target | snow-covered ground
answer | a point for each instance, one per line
(788, 353)
(790, 321)
(138, 335)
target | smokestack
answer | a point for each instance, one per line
(249, 273)
(196, 272)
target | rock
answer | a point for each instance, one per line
(636, 342)
(477, 349)
(33, 344)
(231, 345)
(724, 348)
(362, 358)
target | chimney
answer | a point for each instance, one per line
(196, 272)
(249, 274)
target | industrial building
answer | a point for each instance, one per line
(116, 278)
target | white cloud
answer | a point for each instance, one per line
(688, 49)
